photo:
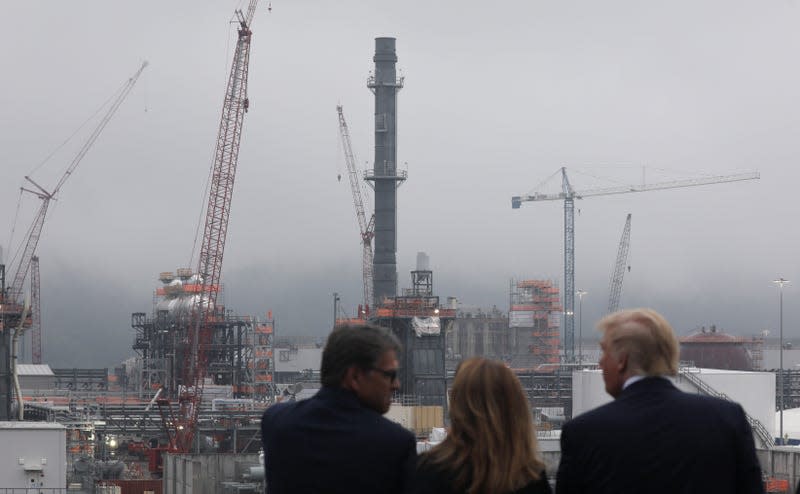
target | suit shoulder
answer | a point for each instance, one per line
(394, 429)
(276, 411)
(592, 417)
(711, 402)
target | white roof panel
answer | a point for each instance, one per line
(34, 370)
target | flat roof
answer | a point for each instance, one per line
(34, 370)
(7, 425)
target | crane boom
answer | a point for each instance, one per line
(568, 195)
(226, 156)
(606, 191)
(35, 231)
(615, 290)
(366, 228)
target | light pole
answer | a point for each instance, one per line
(580, 294)
(335, 307)
(781, 282)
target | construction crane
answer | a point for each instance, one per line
(366, 228)
(615, 289)
(181, 424)
(36, 313)
(568, 195)
(35, 230)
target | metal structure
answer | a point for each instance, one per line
(11, 311)
(366, 228)
(568, 195)
(420, 323)
(35, 231)
(36, 313)
(780, 282)
(533, 320)
(615, 288)
(580, 293)
(239, 355)
(385, 176)
(180, 425)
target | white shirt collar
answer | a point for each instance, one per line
(632, 380)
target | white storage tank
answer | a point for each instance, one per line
(755, 391)
(38, 457)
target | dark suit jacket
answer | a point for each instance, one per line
(655, 438)
(331, 443)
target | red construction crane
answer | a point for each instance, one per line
(366, 228)
(35, 230)
(36, 313)
(181, 424)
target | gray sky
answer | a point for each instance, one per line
(497, 98)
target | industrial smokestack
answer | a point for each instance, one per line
(385, 85)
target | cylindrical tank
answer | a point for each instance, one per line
(713, 349)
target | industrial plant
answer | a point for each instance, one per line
(182, 414)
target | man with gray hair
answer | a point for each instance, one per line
(338, 441)
(653, 437)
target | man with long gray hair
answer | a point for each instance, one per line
(653, 437)
(338, 440)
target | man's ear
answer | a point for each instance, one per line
(352, 378)
(622, 363)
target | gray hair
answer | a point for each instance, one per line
(361, 345)
(646, 337)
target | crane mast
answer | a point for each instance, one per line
(35, 230)
(615, 289)
(366, 228)
(181, 427)
(36, 313)
(568, 195)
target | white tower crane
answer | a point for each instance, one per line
(568, 195)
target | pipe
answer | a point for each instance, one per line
(19, 331)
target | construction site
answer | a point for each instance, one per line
(183, 413)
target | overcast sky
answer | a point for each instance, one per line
(498, 96)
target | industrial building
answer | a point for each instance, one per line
(476, 332)
(534, 319)
(239, 349)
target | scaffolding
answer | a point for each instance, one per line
(534, 319)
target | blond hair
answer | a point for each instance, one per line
(491, 445)
(645, 337)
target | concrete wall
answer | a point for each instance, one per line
(34, 454)
(205, 473)
(782, 463)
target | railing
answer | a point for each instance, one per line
(761, 431)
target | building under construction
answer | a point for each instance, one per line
(478, 333)
(239, 353)
(417, 319)
(534, 321)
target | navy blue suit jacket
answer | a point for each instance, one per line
(655, 438)
(331, 443)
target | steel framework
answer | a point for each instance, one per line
(568, 195)
(615, 289)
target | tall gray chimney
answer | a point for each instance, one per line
(385, 85)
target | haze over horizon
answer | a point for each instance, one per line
(496, 99)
